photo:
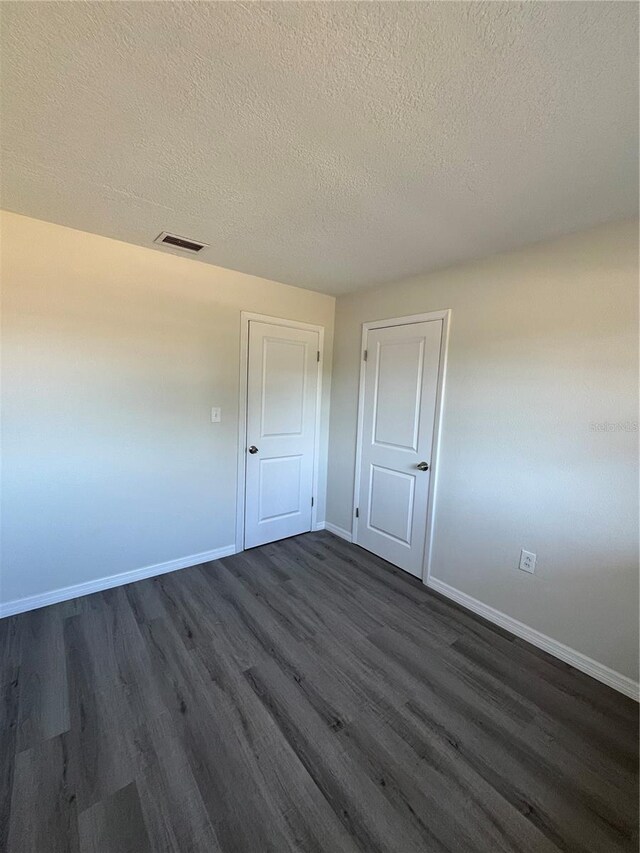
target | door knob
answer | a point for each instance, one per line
(253, 449)
(423, 466)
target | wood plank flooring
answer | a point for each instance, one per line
(304, 696)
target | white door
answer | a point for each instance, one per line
(282, 386)
(400, 390)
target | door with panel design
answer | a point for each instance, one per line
(282, 386)
(399, 408)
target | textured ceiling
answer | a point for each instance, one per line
(327, 145)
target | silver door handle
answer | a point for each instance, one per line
(253, 449)
(422, 466)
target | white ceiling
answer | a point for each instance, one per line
(326, 145)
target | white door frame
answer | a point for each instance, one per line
(245, 318)
(445, 316)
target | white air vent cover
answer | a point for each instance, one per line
(182, 243)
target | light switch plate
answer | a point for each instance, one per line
(216, 415)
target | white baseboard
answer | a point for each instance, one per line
(565, 653)
(319, 525)
(33, 602)
(338, 531)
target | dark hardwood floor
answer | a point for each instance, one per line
(305, 696)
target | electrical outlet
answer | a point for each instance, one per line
(527, 562)
(216, 415)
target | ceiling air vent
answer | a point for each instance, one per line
(175, 242)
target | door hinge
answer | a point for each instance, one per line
(311, 501)
(366, 353)
(318, 358)
(357, 512)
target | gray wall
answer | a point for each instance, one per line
(112, 358)
(543, 345)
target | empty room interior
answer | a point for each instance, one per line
(319, 483)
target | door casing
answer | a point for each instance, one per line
(445, 316)
(245, 318)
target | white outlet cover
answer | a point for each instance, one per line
(527, 561)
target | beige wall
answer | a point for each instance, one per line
(112, 358)
(544, 343)
(114, 354)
